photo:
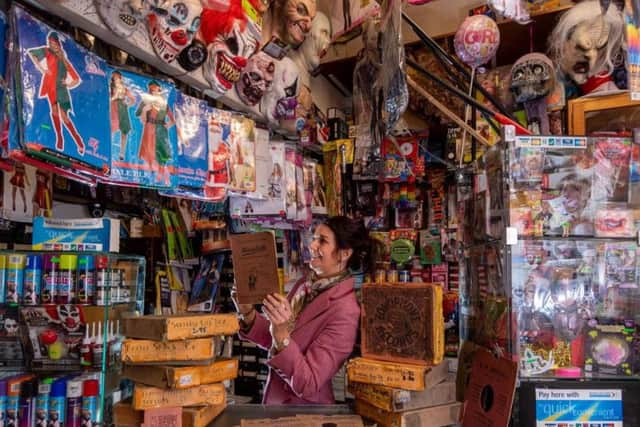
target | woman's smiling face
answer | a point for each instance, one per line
(326, 258)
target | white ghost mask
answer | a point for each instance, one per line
(280, 102)
(122, 17)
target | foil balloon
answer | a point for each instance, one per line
(477, 40)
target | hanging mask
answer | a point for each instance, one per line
(121, 16)
(292, 19)
(317, 42)
(229, 45)
(256, 79)
(172, 25)
(280, 102)
(532, 77)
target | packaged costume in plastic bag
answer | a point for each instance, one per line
(192, 116)
(242, 148)
(219, 155)
(143, 132)
(63, 95)
(271, 181)
(27, 192)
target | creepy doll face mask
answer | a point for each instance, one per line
(317, 42)
(256, 79)
(172, 25)
(281, 101)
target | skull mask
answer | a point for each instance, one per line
(121, 16)
(256, 78)
(532, 77)
(11, 327)
(172, 25)
(229, 44)
(280, 102)
(293, 19)
(69, 316)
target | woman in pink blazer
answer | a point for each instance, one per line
(311, 332)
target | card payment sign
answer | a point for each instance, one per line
(578, 408)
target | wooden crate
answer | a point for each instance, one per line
(403, 322)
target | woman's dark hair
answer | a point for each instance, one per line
(352, 234)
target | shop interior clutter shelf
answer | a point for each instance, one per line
(514, 43)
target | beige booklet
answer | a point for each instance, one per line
(255, 266)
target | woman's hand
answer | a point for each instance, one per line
(278, 311)
(242, 309)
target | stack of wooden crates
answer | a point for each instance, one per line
(172, 360)
(402, 379)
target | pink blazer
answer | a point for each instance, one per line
(323, 337)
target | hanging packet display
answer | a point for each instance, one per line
(192, 125)
(27, 192)
(3, 60)
(143, 131)
(242, 154)
(273, 184)
(62, 93)
(218, 139)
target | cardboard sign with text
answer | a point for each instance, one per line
(255, 266)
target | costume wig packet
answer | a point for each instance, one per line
(144, 142)
(62, 92)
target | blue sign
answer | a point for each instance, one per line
(578, 408)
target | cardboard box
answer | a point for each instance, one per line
(255, 266)
(437, 416)
(181, 327)
(403, 322)
(146, 351)
(145, 397)
(182, 377)
(201, 416)
(394, 399)
(125, 416)
(398, 375)
(84, 234)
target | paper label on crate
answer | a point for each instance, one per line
(151, 397)
(186, 380)
(201, 326)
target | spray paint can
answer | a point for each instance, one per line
(27, 403)
(32, 280)
(66, 283)
(15, 278)
(103, 280)
(3, 402)
(86, 279)
(74, 403)
(3, 278)
(90, 402)
(57, 402)
(42, 402)
(49, 278)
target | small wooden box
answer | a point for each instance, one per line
(201, 416)
(151, 397)
(392, 374)
(146, 351)
(436, 416)
(182, 377)
(403, 322)
(180, 327)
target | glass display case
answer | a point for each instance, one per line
(552, 259)
(61, 336)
